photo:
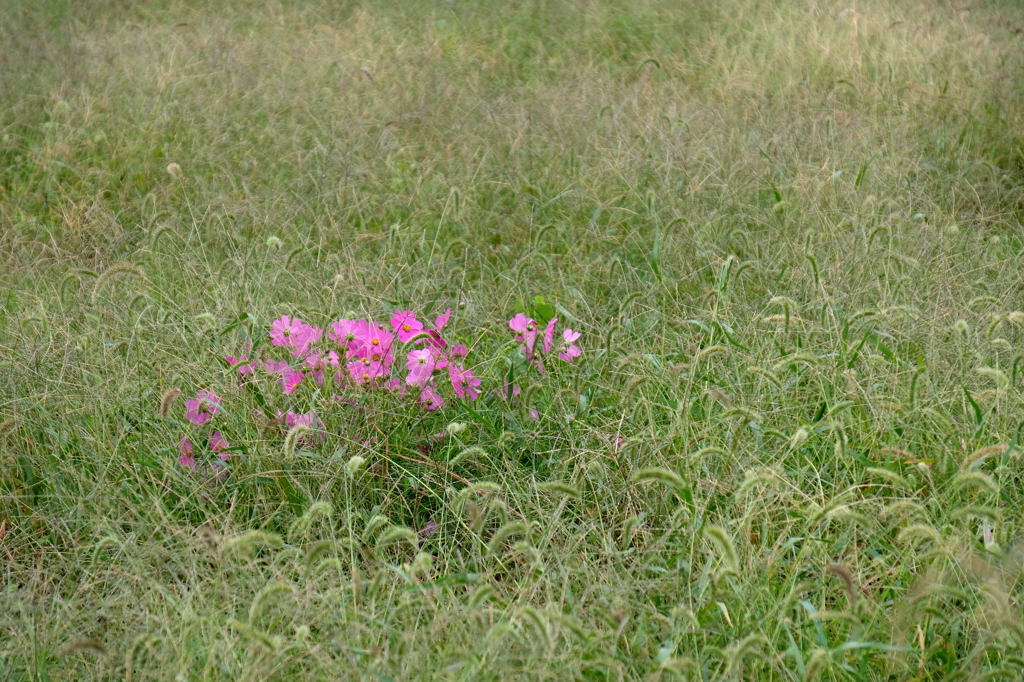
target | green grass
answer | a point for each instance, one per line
(789, 232)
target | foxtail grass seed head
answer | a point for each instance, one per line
(455, 428)
(354, 465)
(167, 401)
(174, 170)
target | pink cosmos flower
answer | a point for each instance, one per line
(526, 328)
(290, 379)
(281, 331)
(218, 444)
(186, 456)
(395, 384)
(465, 384)
(420, 364)
(304, 337)
(441, 320)
(570, 351)
(405, 324)
(435, 340)
(346, 332)
(201, 409)
(549, 334)
(377, 343)
(295, 334)
(317, 365)
(364, 370)
(244, 366)
(534, 414)
(430, 398)
(293, 419)
(520, 323)
(275, 366)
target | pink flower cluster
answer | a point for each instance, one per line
(527, 331)
(350, 358)
(199, 411)
(368, 354)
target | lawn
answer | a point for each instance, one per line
(789, 235)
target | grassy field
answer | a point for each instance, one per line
(790, 234)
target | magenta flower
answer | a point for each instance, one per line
(308, 419)
(282, 330)
(430, 398)
(435, 340)
(395, 384)
(549, 334)
(303, 338)
(295, 334)
(345, 332)
(218, 444)
(570, 351)
(405, 324)
(290, 379)
(420, 364)
(275, 366)
(201, 409)
(441, 320)
(245, 367)
(317, 365)
(186, 456)
(526, 328)
(377, 343)
(465, 384)
(363, 370)
(520, 323)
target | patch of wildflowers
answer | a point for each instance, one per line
(365, 355)
(526, 335)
